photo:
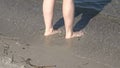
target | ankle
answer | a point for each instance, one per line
(68, 35)
(49, 30)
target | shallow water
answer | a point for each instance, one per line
(94, 4)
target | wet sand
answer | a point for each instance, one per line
(21, 38)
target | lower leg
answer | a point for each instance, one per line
(48, 7)
(68, 14)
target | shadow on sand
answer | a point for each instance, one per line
(87, 13)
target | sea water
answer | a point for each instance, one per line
(94, 4)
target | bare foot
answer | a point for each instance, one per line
(52, 32)
(75, 34)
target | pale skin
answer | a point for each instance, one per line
(68, 15)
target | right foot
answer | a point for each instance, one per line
(75, 34)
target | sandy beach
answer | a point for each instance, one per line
(22, 44)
